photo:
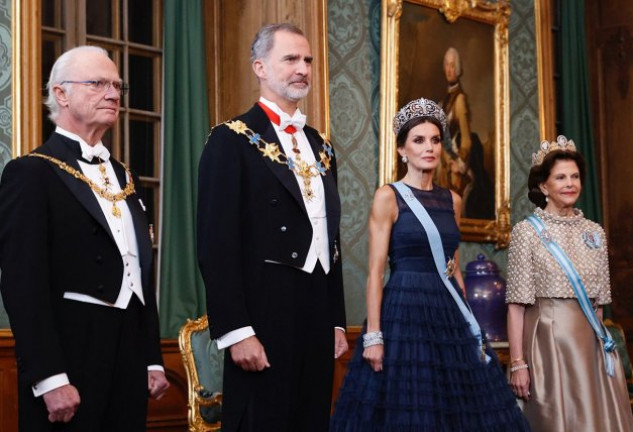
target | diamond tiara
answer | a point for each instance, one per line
(418, 108)
(561, 143)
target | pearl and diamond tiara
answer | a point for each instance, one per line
(418, 108)
(561, 143)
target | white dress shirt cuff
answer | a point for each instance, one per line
(50, 383)
(234, 336)
(155, 368)
(341, 329)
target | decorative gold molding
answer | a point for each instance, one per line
(453, 9)
(27, 76)
(390, 35)
(314, 24)
(325, 76)
(196, 422)
(545, 68)
(497, 15)
(394, 9)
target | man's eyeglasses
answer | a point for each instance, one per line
(103, 86)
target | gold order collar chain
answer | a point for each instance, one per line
(297, 166)
(101, 191)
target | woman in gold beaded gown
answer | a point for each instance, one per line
(563, 364)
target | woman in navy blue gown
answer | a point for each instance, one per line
(419, 367)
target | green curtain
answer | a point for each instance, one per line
(186, 125)
(575, 105)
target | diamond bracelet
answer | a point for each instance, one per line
(372, 338)
(519, 367)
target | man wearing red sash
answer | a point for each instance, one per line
(269, 249)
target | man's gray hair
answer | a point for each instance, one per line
(458, 62)
(60, 71)
(265, 38)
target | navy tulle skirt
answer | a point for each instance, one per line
(433, 378)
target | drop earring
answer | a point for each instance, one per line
(405, 159)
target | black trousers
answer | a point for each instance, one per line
(295, 393)
(105, 357)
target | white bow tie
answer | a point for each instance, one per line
(298, 120)
(98, 150)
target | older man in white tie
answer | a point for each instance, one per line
(76, 263)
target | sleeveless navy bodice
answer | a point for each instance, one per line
(409, 248)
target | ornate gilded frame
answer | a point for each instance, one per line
(196, 422)
(545, 65)
(26, 76)
(497, 15)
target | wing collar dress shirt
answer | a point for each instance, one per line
(319, 247)
(123, 231)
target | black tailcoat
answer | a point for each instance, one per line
(55, 238)
(251, 213)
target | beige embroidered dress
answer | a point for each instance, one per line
(570, 388)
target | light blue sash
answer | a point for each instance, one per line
(440, 262)
(579, 289)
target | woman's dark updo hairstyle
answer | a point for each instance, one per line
(401, 138)
(540, 173)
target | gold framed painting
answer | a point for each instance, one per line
(454, 52)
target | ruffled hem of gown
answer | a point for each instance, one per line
(433, 378)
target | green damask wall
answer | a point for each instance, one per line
(5, 104)
(354, 57)
(354, 62)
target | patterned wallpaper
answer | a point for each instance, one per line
(5, 102)
(354, 56)
(5, 82)
(354, 68)
(524, 122)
